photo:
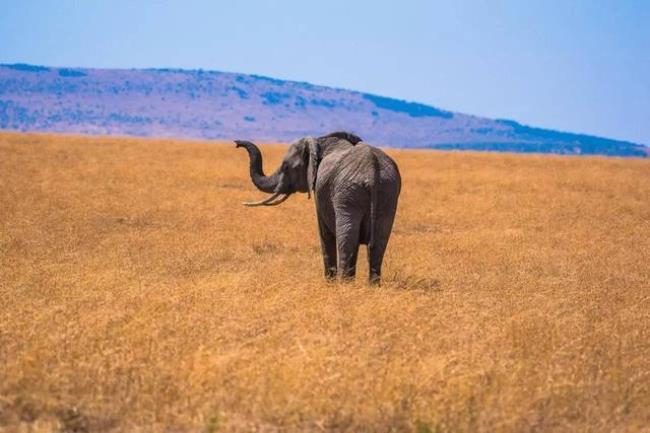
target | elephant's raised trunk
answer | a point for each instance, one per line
(264, 183)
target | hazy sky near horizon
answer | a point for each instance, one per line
(573, 65)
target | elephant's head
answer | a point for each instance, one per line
(297, 173)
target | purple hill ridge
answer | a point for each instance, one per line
(219, 105)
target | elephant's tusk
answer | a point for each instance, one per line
(277, 202)
(267, 202)
(262, 202)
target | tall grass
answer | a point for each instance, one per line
(137, 294)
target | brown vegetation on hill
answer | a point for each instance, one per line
(137, 294)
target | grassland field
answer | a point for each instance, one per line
(138, 295)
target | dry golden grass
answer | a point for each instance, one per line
(137, 294)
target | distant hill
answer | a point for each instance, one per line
(220, 105)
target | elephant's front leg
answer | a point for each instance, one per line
(347, 241)
(328, 249)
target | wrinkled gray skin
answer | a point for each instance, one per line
(355, 186)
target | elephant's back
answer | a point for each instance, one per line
(352, 165)
(356, 170)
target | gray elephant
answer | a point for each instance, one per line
(355, 186)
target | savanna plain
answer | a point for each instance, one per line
(137, 294)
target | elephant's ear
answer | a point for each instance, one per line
(313, 155)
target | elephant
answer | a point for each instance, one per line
(355, 186)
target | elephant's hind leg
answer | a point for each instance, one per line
(377, 247)
(375, 259)
(347, 242)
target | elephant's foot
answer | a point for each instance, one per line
(330, 275)
(347, 275)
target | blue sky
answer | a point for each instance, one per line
(573, 65)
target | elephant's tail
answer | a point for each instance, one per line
(373, 200)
